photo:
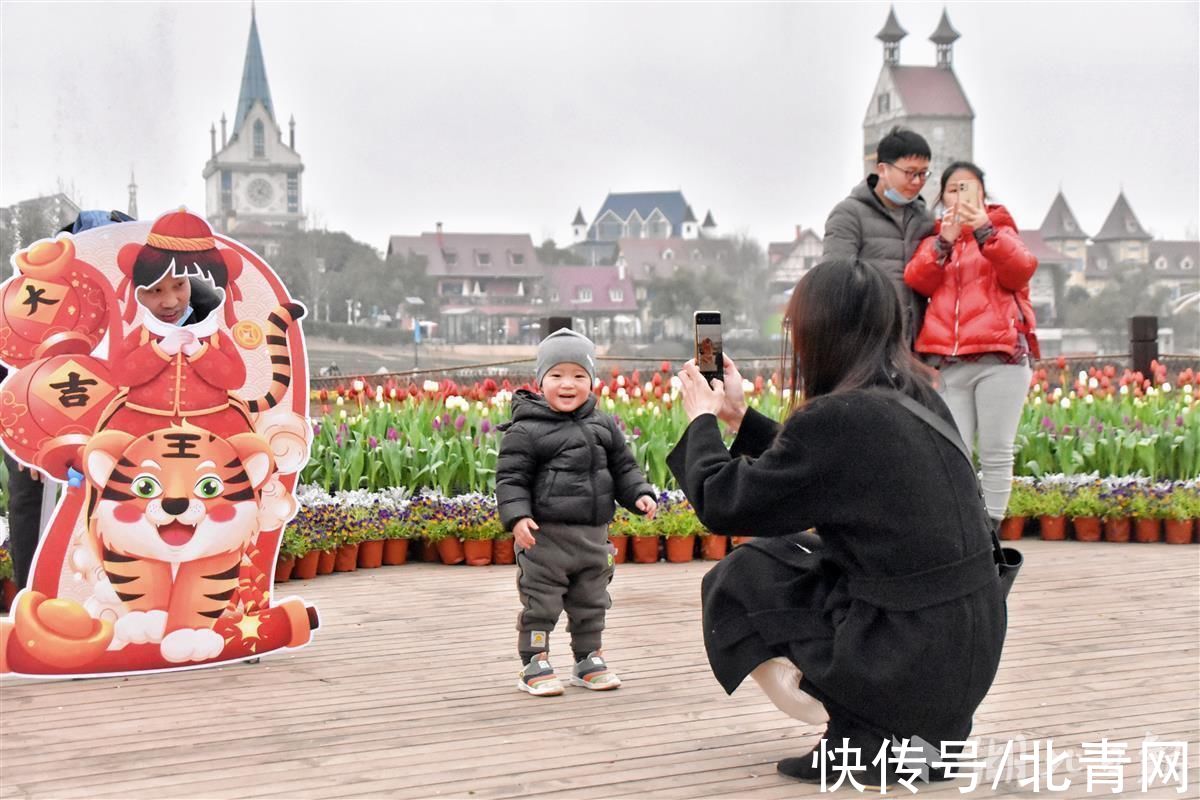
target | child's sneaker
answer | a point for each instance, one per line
(538, 678)
(592, 673)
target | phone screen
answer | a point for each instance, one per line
(709, 354)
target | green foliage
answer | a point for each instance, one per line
(1084, 501)
(1023, 500)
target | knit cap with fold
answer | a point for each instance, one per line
(566, 346)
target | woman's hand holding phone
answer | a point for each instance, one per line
(699, 397)
(733, 409)
(971, 214)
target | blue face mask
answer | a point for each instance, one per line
(895, 197)
(187, 312)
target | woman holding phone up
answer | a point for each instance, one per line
(979, 326)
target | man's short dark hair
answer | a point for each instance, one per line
(902, 143)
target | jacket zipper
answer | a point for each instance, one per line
(957, 296)
(587, 440)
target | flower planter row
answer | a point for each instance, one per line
(481, 552)
(1095, 529)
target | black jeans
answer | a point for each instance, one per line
(24, 519)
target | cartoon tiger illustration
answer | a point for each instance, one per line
(277, 348)
(172, 513)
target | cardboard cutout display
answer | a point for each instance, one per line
(159, 371)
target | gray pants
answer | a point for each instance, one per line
(569, 568)
(986, 398)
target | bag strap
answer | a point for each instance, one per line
(950, 433)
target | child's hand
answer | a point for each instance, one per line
(647, 506)
(192, 346)
(523, 533)
(172, 341)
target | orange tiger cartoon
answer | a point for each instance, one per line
(171, 515)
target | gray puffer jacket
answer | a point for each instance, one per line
(862, 227)
(568, 468)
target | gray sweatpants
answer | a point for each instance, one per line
(568, 568)
(986, 398)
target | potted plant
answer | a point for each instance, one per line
(1145, 507)
(370, 545)
(396, 533)
(1021, 506)
(478, 526)
(1084, 507)
(645, 540)
(292, 546)
(503, 548)
(1182, 508)
(1049, 507)
(346, 555)
(680, 527)
(618, 534)
(1116, 496)
(713, 546)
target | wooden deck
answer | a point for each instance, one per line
(409, 691)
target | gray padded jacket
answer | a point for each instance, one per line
(862, 227)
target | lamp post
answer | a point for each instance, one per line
(414, 304)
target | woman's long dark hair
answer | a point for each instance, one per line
(846, 329)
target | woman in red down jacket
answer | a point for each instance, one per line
(979, 326)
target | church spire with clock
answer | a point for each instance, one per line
(253, 179)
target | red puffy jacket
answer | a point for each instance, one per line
(978, 297)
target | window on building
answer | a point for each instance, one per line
(260, 139)
(640, 293)
(454, 288)
(657, 226)
(616, 295)
(610, 227)
(554, 295)
(633, 226)
(1131, 225)
(1187, 263)
(273, 250)
(516, 259)
(584, 294)
(1161, 262)
(883, 103)
(667, 254)
(483, 258)
(293, 192)
(226, 191)
(451, 257)
(1101, 263)
(1068, 225)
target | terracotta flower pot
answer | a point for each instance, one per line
(621, 546)
(306, 566)
(713, 546)
(1012, 528)
(645, 549)
(429, 552)
(1087, 529)
(450, 550)
(478, 552)
(1146, 530)
(283, 568)
(504, 551)
(325, 561)
(1117, 529)
(1179, 531)
(395, 552)
(1054, 527)
(370, 554)
(738, 541)
(680, 548)
(346, 559)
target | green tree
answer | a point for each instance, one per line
(1132, 291)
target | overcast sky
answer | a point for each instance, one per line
(506, 117)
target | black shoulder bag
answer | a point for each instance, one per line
(1008, 559)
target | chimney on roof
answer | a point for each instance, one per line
(799, 232)
(620, 269)
(441, 243)
(292, 132)
(223, 139)
(212, 139)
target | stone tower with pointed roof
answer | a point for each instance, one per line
(1121, 239)
(253, 179)
(927, 99)
(1060, 229)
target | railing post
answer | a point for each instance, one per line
(1143, 343)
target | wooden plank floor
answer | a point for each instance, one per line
(409, 691)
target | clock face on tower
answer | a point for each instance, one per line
(259, 192)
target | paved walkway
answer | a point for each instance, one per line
(408, 692)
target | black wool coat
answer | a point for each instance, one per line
(893, 611)
(569, 468)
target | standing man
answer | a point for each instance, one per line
(884, 218)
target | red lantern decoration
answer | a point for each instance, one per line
(57, 304)
(50, 409)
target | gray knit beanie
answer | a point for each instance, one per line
(566, 346)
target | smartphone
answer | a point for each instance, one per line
(710, 357)
(969, 191)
